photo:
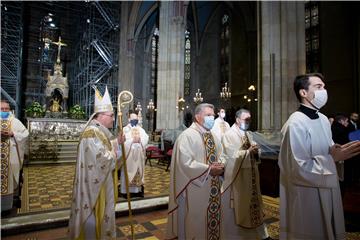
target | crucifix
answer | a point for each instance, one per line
(59, 44)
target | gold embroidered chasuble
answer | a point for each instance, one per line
(194, 200)
(95, 184)
(5, 159)
(12, 157)
(214, 207)
(242, 178)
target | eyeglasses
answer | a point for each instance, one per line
(246, 119)
(111, 115)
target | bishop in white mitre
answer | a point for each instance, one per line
(94, 197)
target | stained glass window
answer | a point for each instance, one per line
(187, 67)
(312, 36)
(154, 62)
(224, 49)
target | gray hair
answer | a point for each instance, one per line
(199, 108)
(241, 111)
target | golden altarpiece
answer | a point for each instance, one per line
(54, 138)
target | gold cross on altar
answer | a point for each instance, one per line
(59, 44)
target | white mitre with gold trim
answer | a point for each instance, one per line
(102, 103)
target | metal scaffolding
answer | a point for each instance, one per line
(11, 53)
(44, 23)
(96, 55)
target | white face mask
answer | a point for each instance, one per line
(222, 115)
(320, 98)
(244, 126)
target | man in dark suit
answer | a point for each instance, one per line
(354, 122)
(340, 129)
(340, 135)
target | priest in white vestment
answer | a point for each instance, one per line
(14, 136)
(92, 213)
(220, 125)
(135, 147)
(195, 198)
(242, 201)
(310, 199)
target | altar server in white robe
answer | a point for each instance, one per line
(220, 125)
(310, 199)
(135, 147)
(94, 197)
(14, 136)
(195, 198)
(242, 200)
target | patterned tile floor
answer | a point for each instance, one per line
(152, 226)
(149, 226)
(50, 187)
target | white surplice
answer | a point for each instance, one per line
(190, 185)
(12, 158)
(220, 127)
(135, 158)
(310, 199)
(94, 186)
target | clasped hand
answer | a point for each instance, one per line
(136, 139)
(121, 138)
(216, 169)
(344, 152)
(254, 149)
(7, 134)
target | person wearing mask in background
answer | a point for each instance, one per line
(14, 137)
(220, 125)
(242, 200)
(310, 199)
(135, 146)
(196, 167)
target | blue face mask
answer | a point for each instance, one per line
(134, 122)
(4, 115)
(208, 122)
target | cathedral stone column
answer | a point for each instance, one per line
(126, 79)
(170, 85)
(127, 48)
(281, 56)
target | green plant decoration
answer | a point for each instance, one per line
(76, 112)
(35, 110)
